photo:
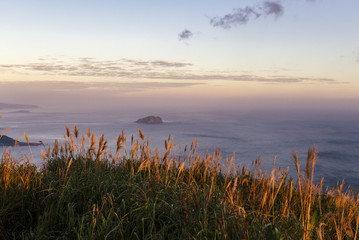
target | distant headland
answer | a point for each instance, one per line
(20, 111)
(8, 141)
(150, 120)
(17, 106)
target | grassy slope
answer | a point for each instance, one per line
(88, 194)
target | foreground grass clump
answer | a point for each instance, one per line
(87, 193)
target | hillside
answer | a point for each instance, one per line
(87, 193)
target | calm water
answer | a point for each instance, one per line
(248, 135)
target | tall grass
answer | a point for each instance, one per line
(84, 191)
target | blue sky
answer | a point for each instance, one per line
(130, 50)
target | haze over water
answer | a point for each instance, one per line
(248, 134)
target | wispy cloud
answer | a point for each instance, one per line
(240, 16)
(89, 67)
(108, 86)
(252, 78)
(356, 55)
(185, 34)
(145, 73)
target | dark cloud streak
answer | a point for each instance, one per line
(273, 8)
(185, 35)
(241, 16)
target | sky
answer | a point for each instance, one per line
(160, 54)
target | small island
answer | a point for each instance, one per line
(8, 141)
(20, 111)
(150, 120)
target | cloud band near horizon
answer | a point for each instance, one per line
(129, 69)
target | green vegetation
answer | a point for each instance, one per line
(85, 192)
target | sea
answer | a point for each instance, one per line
(249, 135)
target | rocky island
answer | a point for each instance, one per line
(8, 141)
(150, 120)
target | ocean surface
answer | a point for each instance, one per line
(250, 135)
